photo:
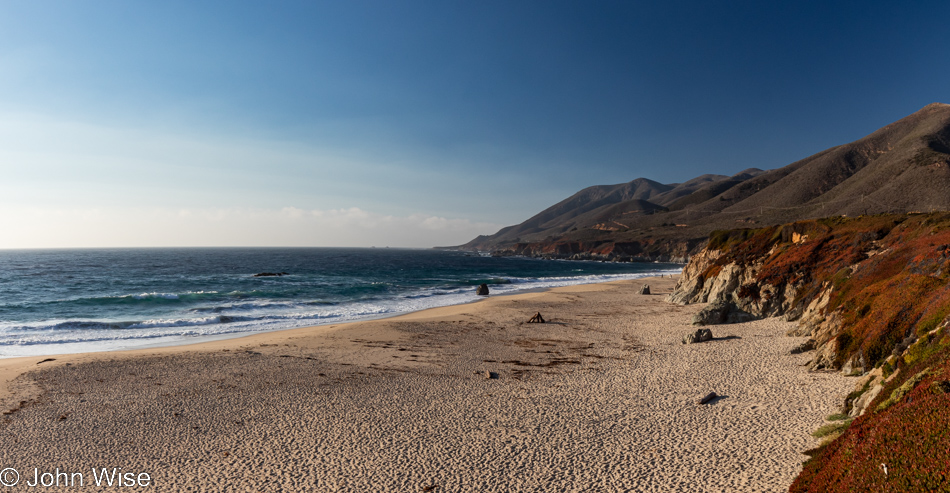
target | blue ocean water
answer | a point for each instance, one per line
(60, 301)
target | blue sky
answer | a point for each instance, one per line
(418, 123)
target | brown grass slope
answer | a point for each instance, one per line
(902, 167)
(686, 188)
(562, 216)
(605, 208)
(689, 191)
(704, 194)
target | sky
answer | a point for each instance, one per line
(419, 123)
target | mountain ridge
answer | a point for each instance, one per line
(901, 167)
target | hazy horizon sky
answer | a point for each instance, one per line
(419, 123)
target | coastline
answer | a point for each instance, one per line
(13, 367)
(155, 310)
(602, 396)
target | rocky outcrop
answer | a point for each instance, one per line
(862, 289)
(721, 312)
(701, 335)
(804, 347)
(482, 290)
(691, 287)
(673, 251)
(865, 391)
(704, 280)
(736, 294)
(772, 272)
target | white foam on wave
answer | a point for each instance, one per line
(59, 337)
(167, 296)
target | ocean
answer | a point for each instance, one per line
(65, 301)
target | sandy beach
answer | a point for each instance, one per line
(600, 398)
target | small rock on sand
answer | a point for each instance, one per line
(482, 290)
(701, 335)
(804, 347)
(708, 397)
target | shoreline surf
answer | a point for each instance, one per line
(166, 340)
(13, 366)
(76, 301)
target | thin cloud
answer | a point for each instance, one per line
(37, 227)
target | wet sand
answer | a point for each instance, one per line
(600, 398)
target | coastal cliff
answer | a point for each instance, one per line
(872, 294)
(650, 250)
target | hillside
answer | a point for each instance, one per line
(902, 167)
(873, 295)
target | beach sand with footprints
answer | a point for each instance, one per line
(603, 396)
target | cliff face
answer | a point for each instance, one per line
(710, 277)
(817, 272)
(705, 279)
(651, 250)
(873, 295)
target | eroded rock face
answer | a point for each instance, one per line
(735, 295)
(835, 277)
(689, 288)
(813, 315)
(825, 335)
(482, 290)
(731, 282)
(865, 400)
(804, 347)
(721, 312)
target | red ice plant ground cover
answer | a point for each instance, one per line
(902, 448)
(891, 279)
